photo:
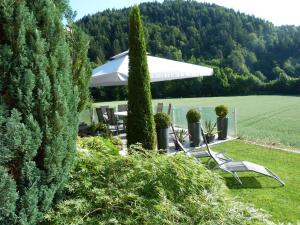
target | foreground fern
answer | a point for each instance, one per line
(146, 188)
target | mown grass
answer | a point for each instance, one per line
(269, 120)
(283, 203)
(272, 120)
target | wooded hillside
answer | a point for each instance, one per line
(255, 50)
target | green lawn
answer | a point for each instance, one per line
(271, 120)
(265, 119)
(283, 203)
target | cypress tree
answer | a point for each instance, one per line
(81, 68)
(140, 127)
(38, 108)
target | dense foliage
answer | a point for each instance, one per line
(145, 188)
(140, 121)
(38, 108)
(162, 120)
(193, 116)
(221, 111)
(263, 58)
(81, 68)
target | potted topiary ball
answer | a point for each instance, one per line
(163, 122)
(193, 117)
(222, 121)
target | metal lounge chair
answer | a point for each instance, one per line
(200, 153)
(233, 167)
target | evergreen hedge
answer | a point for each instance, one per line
(140, 123)
(81, 68)
(146, 188)
(38, 108)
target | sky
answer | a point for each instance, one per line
(278, 12)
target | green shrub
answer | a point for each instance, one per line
(101, 128)
(146, 188)
(162, 120)
(193, 116)
(116, 141)
(98, 145)
(181, 134)
(221, 111)
(39, 107)
(140, 120)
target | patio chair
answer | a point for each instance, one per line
(102, 114)
(233, 166)
(113, 120)
(123, 119)
(122, 108)
(199, 153)
(159, 107)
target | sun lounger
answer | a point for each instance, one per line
(233, 167)
(197, 153)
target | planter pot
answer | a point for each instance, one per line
(163, 138)
(195, 133)
(222, 126)
(210, 138)
(190, 128)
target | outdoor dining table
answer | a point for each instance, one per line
(122, 113)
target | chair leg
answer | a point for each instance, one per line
(234, 174)
(117, 126)
(274, 176)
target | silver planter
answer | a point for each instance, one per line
(222, 126)
(163, 138)
(195, 133)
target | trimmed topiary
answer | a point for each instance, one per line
(140, 121)
(162, 120)
(221, 111)
(193, 116)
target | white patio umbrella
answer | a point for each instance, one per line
(115, 71)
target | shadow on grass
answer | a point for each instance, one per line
(250, 183)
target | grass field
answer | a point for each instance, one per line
(272, 120)
(281, 202)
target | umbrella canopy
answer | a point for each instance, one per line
(115, 71)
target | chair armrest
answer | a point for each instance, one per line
(225, 156)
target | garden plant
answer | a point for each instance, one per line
(193, 117)
(146, 188)
(140, 121)
(222, 121)
(162, 122)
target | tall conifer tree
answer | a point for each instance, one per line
(140, 126)
(81, 68)
(38, 108)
